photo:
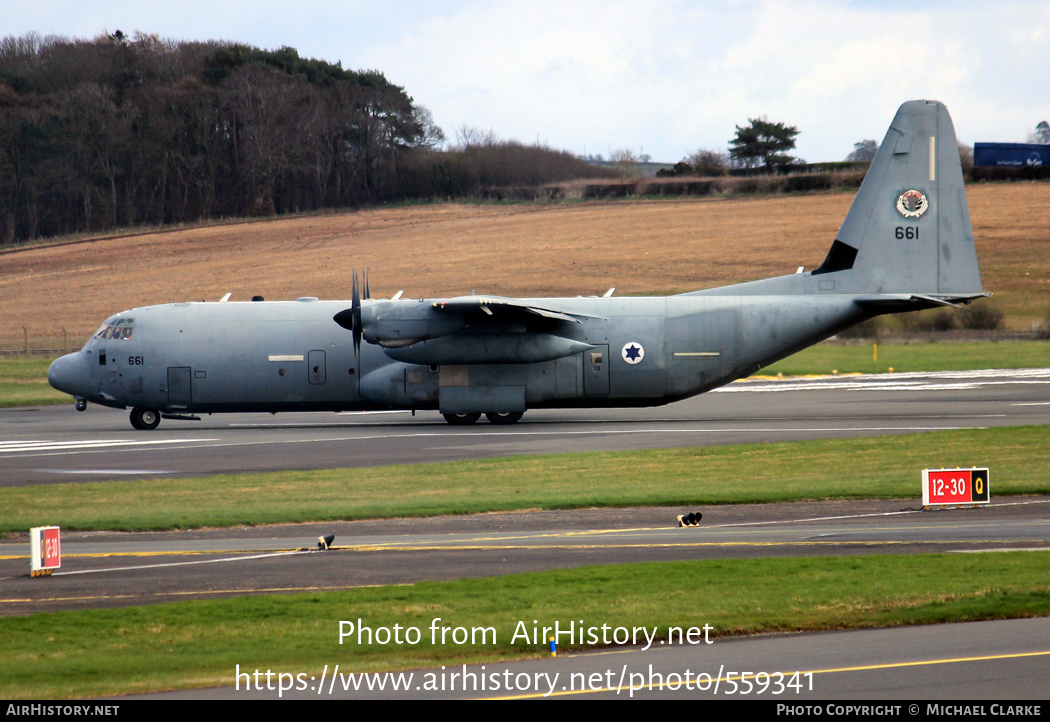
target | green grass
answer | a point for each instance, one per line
(874, 467)
(200, 643)
(860, 358)
(23, 382)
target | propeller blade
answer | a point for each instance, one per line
(355, 316)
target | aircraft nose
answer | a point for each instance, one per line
(69, 374)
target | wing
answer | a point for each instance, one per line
(402, 323)
(504, 309)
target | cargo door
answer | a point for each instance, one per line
(180, 392)
(596, 371)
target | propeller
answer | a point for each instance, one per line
(350, 318)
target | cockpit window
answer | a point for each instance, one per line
(120, 328)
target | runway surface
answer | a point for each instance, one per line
(955, 663)
(58, 445)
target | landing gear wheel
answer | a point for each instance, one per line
(145, 419)
(505, 419)
(461, 419)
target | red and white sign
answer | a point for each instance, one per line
(45, 549)
(955, 486)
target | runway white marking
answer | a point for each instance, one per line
(941, 381)
(182, 564)
(996, 551)
(578, 422)
(505, 436)
(370, 413)
(8, 447)
(884, 387)
(107, 472)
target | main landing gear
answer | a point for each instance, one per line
(511, 417)
(145, 419)
(504, 419)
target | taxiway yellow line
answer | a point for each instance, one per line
(833, 670)
(210, 592)
(674, 545)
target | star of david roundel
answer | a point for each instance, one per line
(632, 352)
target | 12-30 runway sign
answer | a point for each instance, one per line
(954, 486)
(45, 550)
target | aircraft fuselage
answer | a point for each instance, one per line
(291, 356)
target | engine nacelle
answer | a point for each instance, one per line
(396, 324)
(488, 348)
(399, 387)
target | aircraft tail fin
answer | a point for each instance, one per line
(908, 230)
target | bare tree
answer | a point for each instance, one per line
(471, 136)
(123, 129)
(433, 137)
(265, 119)
(708, 162)
(622, 156)
(863, 151)
(1041, 134)
(966, 158)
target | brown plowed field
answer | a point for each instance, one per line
(638, 246)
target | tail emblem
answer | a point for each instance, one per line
(912, 204)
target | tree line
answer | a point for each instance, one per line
(122, 131)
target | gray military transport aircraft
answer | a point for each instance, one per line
(906, 245)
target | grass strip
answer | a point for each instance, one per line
(901, 357)
(865, 468)
(200, 643)
(23, 382)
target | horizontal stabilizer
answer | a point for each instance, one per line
(885, 301)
